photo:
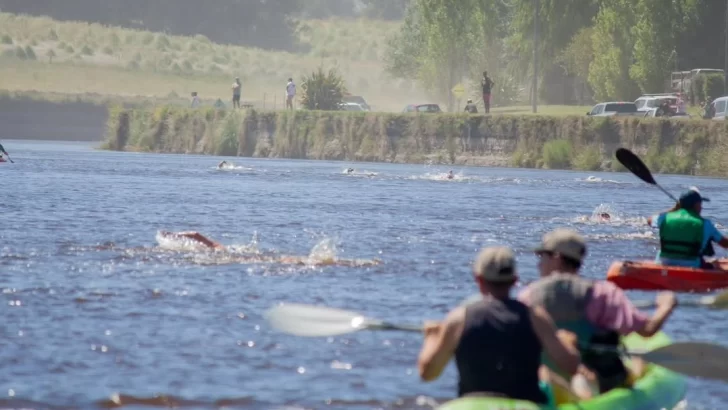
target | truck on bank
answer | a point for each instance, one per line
(680, 81)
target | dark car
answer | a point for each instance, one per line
(357, 99)
(428, 108)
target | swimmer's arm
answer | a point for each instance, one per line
(441, 340)
(564, 354)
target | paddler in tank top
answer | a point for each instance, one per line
(594, 311)
(685, 236)
(496, 341)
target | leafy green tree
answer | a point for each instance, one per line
(658, 25)
(613, 43)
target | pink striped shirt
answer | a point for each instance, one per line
(609, 308)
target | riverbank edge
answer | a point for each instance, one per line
(581, 143)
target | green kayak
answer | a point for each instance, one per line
(659, 388)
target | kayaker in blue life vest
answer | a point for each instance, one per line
(496, 341)
(594, 311)
(685, 236)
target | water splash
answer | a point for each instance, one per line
(356, 173)
(179, 243)
(443, 176)
(324, 251)
(609, 214)
(251, 247)
(592, 178)
(229, 166)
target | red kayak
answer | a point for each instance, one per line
(648, 275)
(3, 159)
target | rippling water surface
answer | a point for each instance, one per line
(99, 312)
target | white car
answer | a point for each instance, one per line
(617, 108)
(350, 106)
(649, 102)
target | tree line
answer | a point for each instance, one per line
(605, 49)
(267, 24)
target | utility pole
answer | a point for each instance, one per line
(534, 92)
(725, 64)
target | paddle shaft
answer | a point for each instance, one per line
(393, 326)
(666, 193)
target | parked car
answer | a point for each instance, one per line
(680, 116)
(350, 106)
(617, 108)
(428, 108)
(357, 99)
(720, 106)
(649, 101)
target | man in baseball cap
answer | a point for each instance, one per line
(497, 342)
(685, 236)
(595, 311)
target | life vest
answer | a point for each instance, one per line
(681, 235)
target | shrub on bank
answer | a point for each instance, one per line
(688, 147)
(557, 154)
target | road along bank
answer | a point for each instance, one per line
(680, 147)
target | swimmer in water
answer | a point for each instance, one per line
(222, 164)
(450, 175)
(605, 216)
(349, 170)
(194, 236)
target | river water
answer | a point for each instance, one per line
(98, 310)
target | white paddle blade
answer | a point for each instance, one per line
(696, 359)
(313, 321)
(718, 301)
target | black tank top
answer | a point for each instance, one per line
(499, 352)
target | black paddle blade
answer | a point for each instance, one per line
(633, 163)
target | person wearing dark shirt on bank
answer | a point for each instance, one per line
(470, 107)
(487, 84)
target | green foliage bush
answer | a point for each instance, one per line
(322, 90)
(713, 86)
(557, 154)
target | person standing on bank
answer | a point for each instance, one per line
(236, 92)
(487, 84)
(290, 93)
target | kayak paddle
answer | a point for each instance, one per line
(696, 359)
(635, 165)
(313, 321)
(717, 301)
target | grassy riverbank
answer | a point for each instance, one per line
(682, 147)
(42, 54)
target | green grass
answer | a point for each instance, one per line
(90, 57)
(550, 110)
